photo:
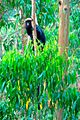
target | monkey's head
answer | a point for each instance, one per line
(28, 23)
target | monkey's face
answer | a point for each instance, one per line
(28, 23)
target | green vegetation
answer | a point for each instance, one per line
(20, 74)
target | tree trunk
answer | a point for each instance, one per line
(23, 36)
(23, 30)
(59, 114)
(63, 26)
(34, 23)
(63, 37)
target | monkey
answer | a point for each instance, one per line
(40, 34)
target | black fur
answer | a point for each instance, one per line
(39, 32)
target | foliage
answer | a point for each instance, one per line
(20, 75)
